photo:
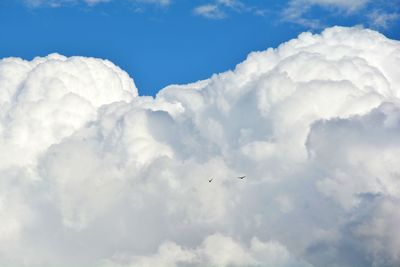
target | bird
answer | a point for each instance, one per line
(210, 180)
(241, 177)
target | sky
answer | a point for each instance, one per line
(175, 41)
(126, 128)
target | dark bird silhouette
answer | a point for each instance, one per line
(241, 177)
(210, 180)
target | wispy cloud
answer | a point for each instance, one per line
(210, 11)
(60, 3)
(296, 10)
(220, 8)
(157, 2)
(382, 19)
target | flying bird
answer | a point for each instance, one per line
(210, 180)
(241, 177)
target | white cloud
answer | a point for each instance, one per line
(158, 2)
(220, 9)
(230, 253)
(346, 5)
(47, 99)
(209, 11)
(94, 175)
(296, 10)
(234, 4)
(382, 19)
(60, 3)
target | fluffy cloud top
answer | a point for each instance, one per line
(48, 99)
(94, 175)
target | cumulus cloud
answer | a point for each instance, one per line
(230, 253)
(95, 175)
(47, 99)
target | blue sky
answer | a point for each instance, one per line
(161, 42)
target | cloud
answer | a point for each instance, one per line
(375, 14)
(49, 98)
(159, 2)
(60, 3)
(349, 6)
(382, 19)
(95, 175)
(296, 10)
(230, 253)
(220, 9)
(209, 11)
